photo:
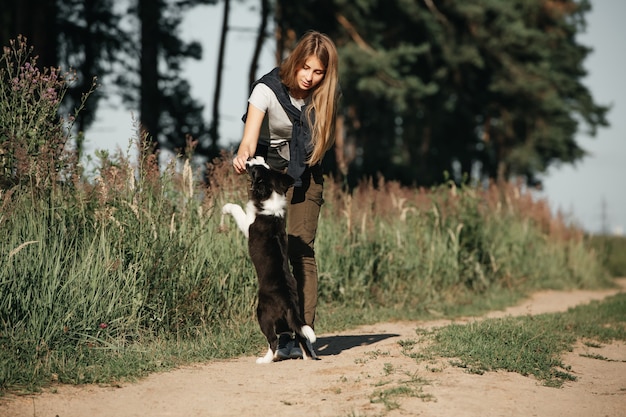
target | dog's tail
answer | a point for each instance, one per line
(307, 332)
(306, 337)
(299, 326)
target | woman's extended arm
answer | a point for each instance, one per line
(250, 139)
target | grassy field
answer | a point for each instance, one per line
(114, 268)
(130, 274)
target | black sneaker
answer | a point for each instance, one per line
(285, 345)
(295, 352)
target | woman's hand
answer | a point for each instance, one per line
(250, 138)
(239, 162)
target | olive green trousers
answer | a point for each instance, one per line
(303, 210)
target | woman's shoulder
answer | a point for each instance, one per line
(262, 88)
(262, 92)
(262, 97)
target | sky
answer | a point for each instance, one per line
(589, 193)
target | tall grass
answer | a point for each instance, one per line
(612, 251)
(105, 265)
(116, 273)
(387, 245)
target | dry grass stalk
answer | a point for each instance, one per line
(20, 247)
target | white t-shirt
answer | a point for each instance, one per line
(277, 127)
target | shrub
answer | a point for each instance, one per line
(33, 138)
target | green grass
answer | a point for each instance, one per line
(612, 252)
(109, 362)
(409, 386)
(530, 345)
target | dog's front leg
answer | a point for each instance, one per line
(242, 219)
(268, 358)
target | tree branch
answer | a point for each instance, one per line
(431, 6)
(354, 34)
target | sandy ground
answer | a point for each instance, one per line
(355, 366)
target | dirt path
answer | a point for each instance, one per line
(354, 366)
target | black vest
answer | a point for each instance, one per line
(301, 145)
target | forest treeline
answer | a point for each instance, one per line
(431, 89)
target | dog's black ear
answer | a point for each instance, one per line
(282, 181)
(253, 171)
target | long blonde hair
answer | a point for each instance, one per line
(324, 96)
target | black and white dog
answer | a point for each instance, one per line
(263, 223)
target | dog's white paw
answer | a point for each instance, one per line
(268, 358)
(228, 208)
(242, 219)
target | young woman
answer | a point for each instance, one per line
(290, 121)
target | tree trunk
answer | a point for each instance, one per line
(37, 19)
(214, 130)
(88, 66)
(340, 157)
(278, 30)
(260, 40)
(149, 14)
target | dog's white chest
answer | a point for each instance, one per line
(274, 206)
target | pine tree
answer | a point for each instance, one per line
(434, 89)
(168, 113)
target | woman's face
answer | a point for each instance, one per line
(310, 74)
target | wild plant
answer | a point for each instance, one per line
(34, 139)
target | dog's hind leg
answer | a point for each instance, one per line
(266, 322)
